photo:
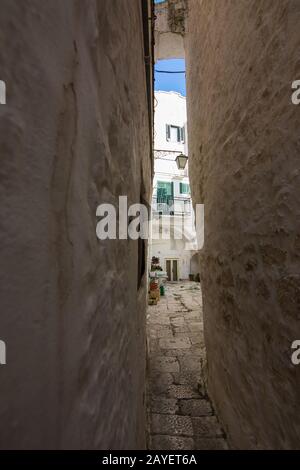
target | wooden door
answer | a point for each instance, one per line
(175, 270)
(168, 269)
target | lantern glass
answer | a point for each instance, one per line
(181, 161)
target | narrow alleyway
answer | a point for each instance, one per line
(180, 414)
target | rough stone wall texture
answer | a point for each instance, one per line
(74, 134)
(169, 29)
(242, 56)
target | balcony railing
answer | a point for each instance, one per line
(168, 205)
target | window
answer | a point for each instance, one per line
(184, 188)
(165, 191)
(175, 133)
(165, 197)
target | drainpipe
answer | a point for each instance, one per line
(148, 33)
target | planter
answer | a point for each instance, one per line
(153, 285)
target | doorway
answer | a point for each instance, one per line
(172, 269)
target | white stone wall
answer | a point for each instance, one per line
(242, 57)
(175, 249)
(73, 134)
(170, 108)
(169, 29)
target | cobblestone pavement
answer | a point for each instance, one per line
(180, 414)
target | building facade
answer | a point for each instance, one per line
(173, 238)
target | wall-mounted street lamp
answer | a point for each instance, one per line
(166, 155)
(181, 161)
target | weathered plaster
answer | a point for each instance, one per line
(170, 29)
(242, 57)
(74, 133)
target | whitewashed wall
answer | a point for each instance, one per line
(170, 108)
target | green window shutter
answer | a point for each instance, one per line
(168, 132)
(167, 185)
(182, 134)
(161, 194)
(184, 188)
(165, 191)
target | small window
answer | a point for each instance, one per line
(175, 133)
(184, 188)
(165, 191)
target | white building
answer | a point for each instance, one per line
(173, 238)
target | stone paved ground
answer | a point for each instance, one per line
(180, 414)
